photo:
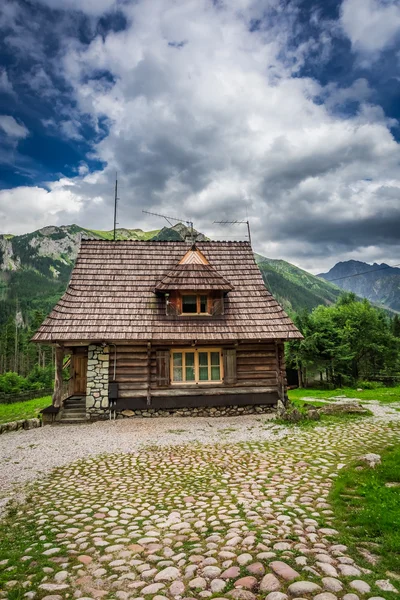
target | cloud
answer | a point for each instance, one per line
(12, 128)
(28, 208)
(371, 25)
(5, 83)
(226, 125)
(90, 7)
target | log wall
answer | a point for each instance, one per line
(256, 367)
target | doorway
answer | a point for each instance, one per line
(79, 365)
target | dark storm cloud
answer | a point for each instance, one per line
(249, 115)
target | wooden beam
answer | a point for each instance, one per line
(148, 374)
(58, 381)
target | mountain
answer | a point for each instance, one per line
(379, 283)
(35, 269)
(294, 288)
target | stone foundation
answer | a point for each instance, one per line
(97, 382)
(202, 411)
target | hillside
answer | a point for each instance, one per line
(294, 288)
(35, 268)
(379, 283)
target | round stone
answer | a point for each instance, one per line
(246, 582)
(153, 588)
(177, 588)
(360, 586)
(168, 574)
(211, 572)
(284, 570)
(199, 583)
(325, 596)
(231, 573)
(331, 584)
(244, 559)
(61, 576)
(257, 569)
(217, 586)
(269, 583)
(276, 596)
(300, 588)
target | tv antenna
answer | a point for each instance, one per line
(115, 206)
(169, 219)
(237, 223)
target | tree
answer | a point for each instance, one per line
(351, 338)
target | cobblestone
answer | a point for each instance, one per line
(244, 521)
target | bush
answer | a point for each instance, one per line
(41, 378)
(370, 385)
(12, 383)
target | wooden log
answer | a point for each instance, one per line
(148, 399)
(58, 381)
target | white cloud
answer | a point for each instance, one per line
(25, 209)
(371, 25)
(220, 126)
(12, 128)
(5, 83)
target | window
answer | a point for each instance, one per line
(194, 304)
(196, 366)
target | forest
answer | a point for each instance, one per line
(348, 343)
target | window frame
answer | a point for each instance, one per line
(197, 380)
(198, 304)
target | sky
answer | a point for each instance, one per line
(285, 112)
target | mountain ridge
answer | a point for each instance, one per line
(379, 283)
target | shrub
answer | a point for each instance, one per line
(370, 385)
(12, 383)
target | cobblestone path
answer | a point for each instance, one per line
(244, 521)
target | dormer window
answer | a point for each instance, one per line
(195, 304)
(193, 288)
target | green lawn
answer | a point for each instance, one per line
(385, 395)
(368, 513)
(23, 410)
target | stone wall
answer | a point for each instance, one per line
(203, 411)
(97, 382)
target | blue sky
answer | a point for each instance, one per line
(287, 111)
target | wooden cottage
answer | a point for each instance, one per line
(165, 325)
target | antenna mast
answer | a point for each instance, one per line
(169, 219)
(237, 223)
(115, 206)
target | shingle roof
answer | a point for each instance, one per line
(193, 277)
(111, 296)
(193, 272)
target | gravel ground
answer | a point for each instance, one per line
(27, 455)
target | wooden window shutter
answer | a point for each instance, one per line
(230, 366)
(162, 366)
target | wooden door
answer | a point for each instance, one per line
(79, 373)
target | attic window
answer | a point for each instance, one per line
(194, 304)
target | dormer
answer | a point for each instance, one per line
(194, 287)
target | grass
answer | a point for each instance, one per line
(385, 394)
(367, 513)
(28, 409)
(325, 420)
(303, 406)
(19, 535)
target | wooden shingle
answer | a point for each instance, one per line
(111, 295)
